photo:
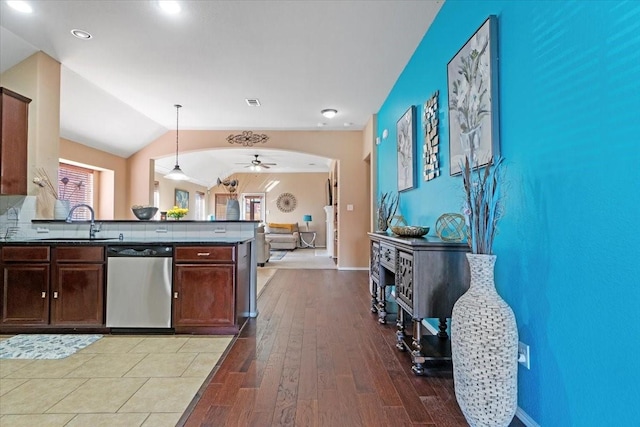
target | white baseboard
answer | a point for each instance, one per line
(353, 268)
(430, 328)
(525, 418)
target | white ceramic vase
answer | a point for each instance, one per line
(233, 210)
(484, 346)
(61, 209)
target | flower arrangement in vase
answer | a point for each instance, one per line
(177, 212)
(62, 203)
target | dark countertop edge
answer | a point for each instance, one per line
(108, 221)
(116, 242)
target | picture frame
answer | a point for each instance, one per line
(182, 199)
(406, 149)
(472, 84)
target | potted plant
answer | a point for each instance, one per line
(484, 335)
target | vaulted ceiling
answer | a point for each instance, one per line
(119, 88)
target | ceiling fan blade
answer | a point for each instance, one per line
(264, 165)
(270, 164)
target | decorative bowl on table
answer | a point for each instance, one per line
(144, 213)
(409, 230)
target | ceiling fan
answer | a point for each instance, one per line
(256, 164)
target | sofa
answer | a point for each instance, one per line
(282, 236)
(263, 248)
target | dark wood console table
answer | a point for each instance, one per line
(429, 276)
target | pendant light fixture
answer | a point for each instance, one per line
(176, 174)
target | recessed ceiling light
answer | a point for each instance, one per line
(252, 102)
(329, 113)
(169, 6)
(81, 34)
(321, 125)
(348, 124)
(20, 6)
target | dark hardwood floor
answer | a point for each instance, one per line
(316, 356)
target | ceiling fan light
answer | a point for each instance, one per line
(329, 113)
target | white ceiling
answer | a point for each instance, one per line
(297, 57)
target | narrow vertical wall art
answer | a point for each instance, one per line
(431, 138)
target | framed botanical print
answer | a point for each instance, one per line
(472, 80)
(182, 199)
(406, 140)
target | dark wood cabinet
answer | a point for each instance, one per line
(14, 119)
(428, 276)
(203, 295)
(49, 288)
(77, 296)
(25, 286)
(209, 289)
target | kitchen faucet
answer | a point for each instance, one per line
(93, 228)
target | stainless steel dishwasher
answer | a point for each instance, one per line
(139, 286)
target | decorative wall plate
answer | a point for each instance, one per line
(286, 202)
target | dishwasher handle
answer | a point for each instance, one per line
(139, 251)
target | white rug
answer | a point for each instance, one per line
(52, 346)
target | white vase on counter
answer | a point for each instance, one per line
(61, 209)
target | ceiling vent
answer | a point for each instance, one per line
(253, 102)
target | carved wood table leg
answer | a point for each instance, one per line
(382, 306)
(400, 332)
(373, 288)
(442, 333)
(417, 357)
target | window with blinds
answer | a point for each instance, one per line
(76, 185)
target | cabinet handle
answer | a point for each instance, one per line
(203, 253)
(175, 295)
(44, 295)
(55, 295)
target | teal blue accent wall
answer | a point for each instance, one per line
(568, 251)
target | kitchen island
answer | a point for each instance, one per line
(57, 279)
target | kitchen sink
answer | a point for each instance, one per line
(78, 239)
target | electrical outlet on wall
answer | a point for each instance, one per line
(524, 357)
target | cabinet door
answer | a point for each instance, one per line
(25, 294)
(14, 116)
(77, 295)
(203, 295)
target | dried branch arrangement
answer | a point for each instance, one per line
(386, 209)
(483, 206)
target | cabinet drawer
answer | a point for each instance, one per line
(25, 253)
(79, 253)
(204, 254)
(388, 256)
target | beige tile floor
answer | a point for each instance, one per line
(116, 381)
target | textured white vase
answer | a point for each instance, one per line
(61, 209)
(484, 349)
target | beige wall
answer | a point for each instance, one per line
(167, 188)
(344, 146)
(309, 190)
(111, 199)
(38, 78)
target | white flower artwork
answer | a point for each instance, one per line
(473, 100)
(406, 136)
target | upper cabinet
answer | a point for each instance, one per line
(14, 118)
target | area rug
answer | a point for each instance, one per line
(51, 346)
(277, 255)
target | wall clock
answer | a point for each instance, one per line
(286, 202)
